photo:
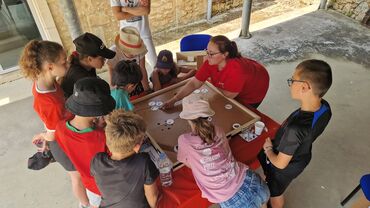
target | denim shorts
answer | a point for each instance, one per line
(252, 194)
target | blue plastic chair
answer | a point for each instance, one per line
(194, 42)
(364, 185)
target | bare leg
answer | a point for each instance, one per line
(264, 205)
(277, 201)
(78, 188)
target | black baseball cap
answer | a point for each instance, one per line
(91, 45)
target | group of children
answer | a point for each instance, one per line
(99, 146)
(75, 131)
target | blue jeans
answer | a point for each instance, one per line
(252, 194)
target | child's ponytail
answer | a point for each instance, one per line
(35, 54)
(204, 129)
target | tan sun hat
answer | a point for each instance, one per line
(129, 41)
(195, 106)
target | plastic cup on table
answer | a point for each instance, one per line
(258, 127)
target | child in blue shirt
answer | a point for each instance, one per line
(125, 76)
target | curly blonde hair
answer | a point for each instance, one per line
(124, 130)
(35, 53)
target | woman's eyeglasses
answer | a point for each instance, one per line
(211, 54)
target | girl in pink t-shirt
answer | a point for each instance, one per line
(206, 151)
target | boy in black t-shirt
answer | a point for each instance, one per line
(285, 157)
(126, 178)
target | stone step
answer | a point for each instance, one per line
(12, 42)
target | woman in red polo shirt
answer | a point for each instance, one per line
(235, 76)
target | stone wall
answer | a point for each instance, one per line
(96, 16)
(220, 6)
(355, 9)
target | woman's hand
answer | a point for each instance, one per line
(169, 103)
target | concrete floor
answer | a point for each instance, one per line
(340, 155)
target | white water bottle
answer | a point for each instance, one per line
(165, 166)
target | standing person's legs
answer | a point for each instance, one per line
(277, 182)
(277, 201)
(151, 56)
(78, 188)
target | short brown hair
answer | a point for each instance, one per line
(317, 73)
(35, 53)
(124, 130)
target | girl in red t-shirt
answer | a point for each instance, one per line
(45, 62)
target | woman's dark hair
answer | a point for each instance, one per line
(76, 57)
(126, 72)
(204, 129)
(35, 53)
(225, 45)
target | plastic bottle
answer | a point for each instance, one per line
(165, 166)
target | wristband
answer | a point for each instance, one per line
(268, 148)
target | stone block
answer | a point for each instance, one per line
(361, 10)
(98, 19)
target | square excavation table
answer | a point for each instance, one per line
(164, 136)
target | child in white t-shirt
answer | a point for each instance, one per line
(134, 13)
(130, 47)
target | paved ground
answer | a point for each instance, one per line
(340, 155)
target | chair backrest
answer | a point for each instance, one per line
(194, 42)
(365, 185)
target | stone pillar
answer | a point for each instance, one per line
(71, 17)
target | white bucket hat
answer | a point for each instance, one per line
(129, 41)
(194, 106)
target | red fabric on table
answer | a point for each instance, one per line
(184, 192)
(142, 94)
(246, 152)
